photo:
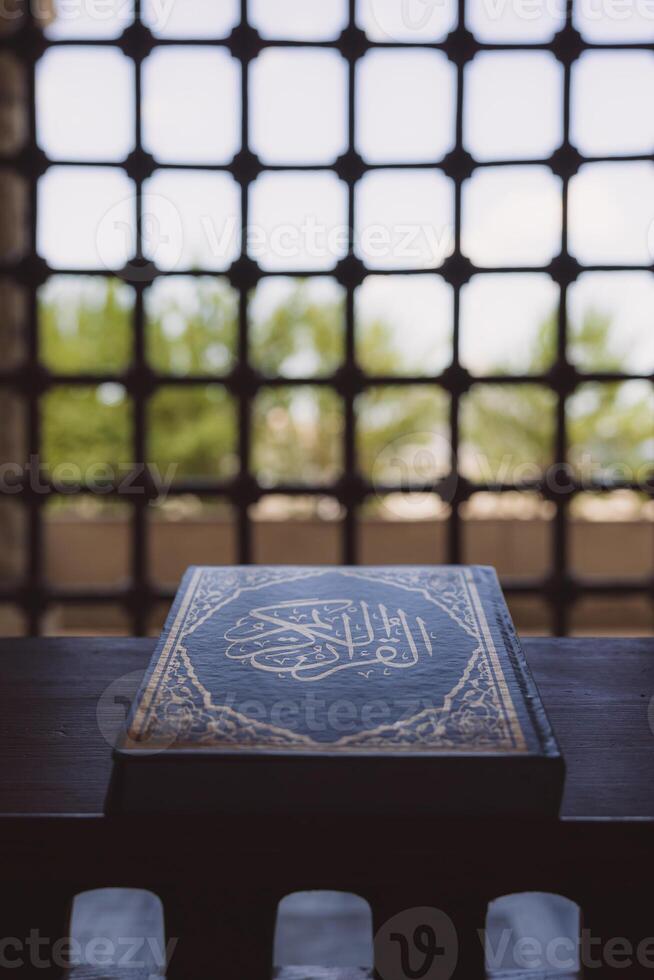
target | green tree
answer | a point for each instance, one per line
(191, 330)
(608, 424)
(84, 327)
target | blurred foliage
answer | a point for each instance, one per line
(85, 327)
(509, 429)
(191, 330)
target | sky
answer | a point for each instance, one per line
(405, 111)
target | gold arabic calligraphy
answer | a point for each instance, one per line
(311, 639)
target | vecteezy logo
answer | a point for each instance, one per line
(403, 19)
(416, 459)
(162, 235)
(417, 944)
(114, 704)
(113, 709)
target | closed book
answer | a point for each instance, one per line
(386, 689)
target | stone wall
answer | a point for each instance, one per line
(14, 241)
(519, 549)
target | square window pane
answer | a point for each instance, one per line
(611, 104)
(610, 316)
(297, 530)
(191, 325)
(14, 243)
(297, 435)
(405, 106)
(298, 20)
(612, 616)
(507, 432)
(187, 530)
(297, 326)
(13, 302)
(508, 323)
(77, 527)
(512, 216)
(298, 105)
(85, 324)
(610, 430)
(99, 619)
(85, 218)
(615, 22)
(85, 427)
(610, 213)
(531, 616)
(191, 105)
(404, 221)
(13, 412)
(13, 521)
(403, 324)
(403, 435)
(84, 104)
(191, 220)
(511, 531)
(406, 20)
(403, 529)
(513, 106)
(611, 535)
(191, 18)
(515, 23)
(297, 221)
(12, 620)
(192, 432)
(15, 128)
(107, 19)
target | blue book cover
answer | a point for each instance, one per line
(338, 663)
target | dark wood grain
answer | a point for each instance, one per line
(55, 840)
(55, 760)
(53, 757)
(597, 694)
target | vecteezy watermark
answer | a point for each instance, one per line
(417, 944)
(423, 944)
(99, 12)
(162, 233)
(99, 479)
(416, 459)
(509, 950)
(399, 20)
(324, 720)
(143, 953)
(587, 10)
(432, 18)
(413, 466)
(114, 704)
(173, 244)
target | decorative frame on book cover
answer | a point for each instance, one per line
(32, 380)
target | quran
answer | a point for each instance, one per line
(320, 688)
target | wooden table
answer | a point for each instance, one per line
(221, 878)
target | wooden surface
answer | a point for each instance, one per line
(221, 878)
(55, 760)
